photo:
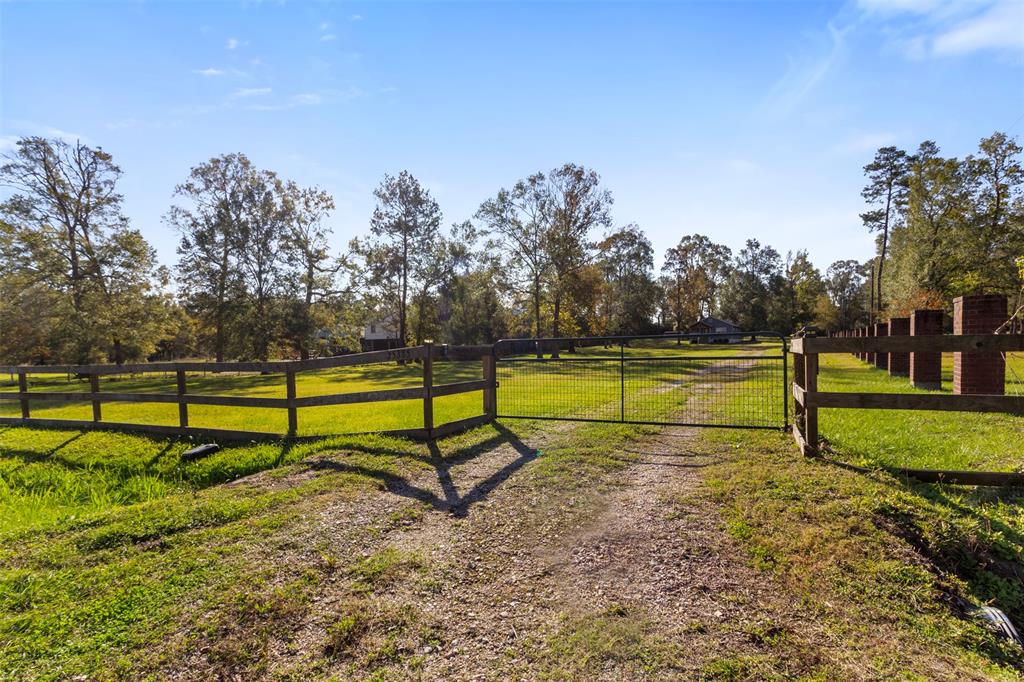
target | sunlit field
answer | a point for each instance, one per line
(921, 439)
(548, 387)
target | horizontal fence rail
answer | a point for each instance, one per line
(426, 392)
(808, 399)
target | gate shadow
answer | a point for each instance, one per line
(451, 500)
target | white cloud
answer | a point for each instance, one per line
(324, 26)
(327, 38)
(356, 17)
(805, 73)
(8, 142)
(304, 99)
(928, 28)
(250, 92)
(999, 27)
(210, 72)
(234, 43)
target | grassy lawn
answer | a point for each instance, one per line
(119, 561)
(889, 567)
(921, 439)
(655, 379)
(542, 390)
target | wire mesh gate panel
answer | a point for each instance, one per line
(739, 381)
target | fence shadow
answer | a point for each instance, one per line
(450, 499)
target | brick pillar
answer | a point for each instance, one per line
(899, 363)
(926, 368)
(978, 373)
(870, 331)
(882, 359)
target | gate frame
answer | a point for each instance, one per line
(539, 344)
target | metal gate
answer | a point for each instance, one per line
(724, 380)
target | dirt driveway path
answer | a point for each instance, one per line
(508, 566)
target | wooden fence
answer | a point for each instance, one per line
(425, 355)
(808, 399)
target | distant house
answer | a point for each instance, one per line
(380, 335)
(712, 325)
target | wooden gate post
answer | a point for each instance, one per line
(182, 405)
(811, 412)
(798, 381)
(490, 390)
(23, 389)
(293, 417)
(428, 389)
(94, 387)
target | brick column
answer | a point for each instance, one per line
(899, 363)
(926, 368)
(882, 359)
(978, 373)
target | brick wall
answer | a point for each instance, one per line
(926, 368)
(882, 359)
(978, 373)
(899, 363)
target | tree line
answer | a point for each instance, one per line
(256, 278)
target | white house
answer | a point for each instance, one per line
(381, 334)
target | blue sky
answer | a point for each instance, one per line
(732, 119)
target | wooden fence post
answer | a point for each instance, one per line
(428, 389)
(94, 386)
(293, 417)
(811, 413)
(23, 388)
(490, 392)
(182, 405)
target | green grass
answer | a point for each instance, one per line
(117, 586)
(917, 439)
(887, 567)
(117, 560)
(333, 419)
(542, 388)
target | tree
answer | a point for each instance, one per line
(578, 205)
(209, 272)
(887, 191)
(66, 242)
(626, 260)
(448, 258)
(404, 233)
(314, 272)
(807, 288)
(844, 284)
(518, 220)
(261, 254)
(993, 234)
(748, 290)
(694, 270)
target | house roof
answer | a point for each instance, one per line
(715, 322)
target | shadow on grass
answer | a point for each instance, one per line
(450, 500)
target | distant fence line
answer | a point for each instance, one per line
(425, 355)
